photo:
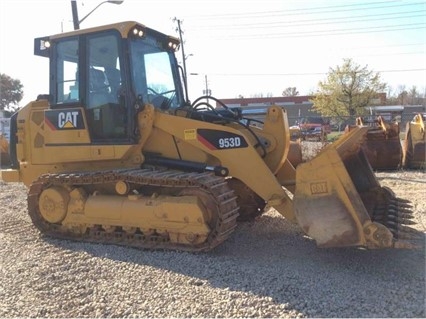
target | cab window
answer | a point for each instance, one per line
(107, 116)
(67, 62)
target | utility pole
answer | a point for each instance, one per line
(75, 19)
(185, 81)
(207, 92)
(75, 15)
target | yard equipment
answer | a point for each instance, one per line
(382, 145)
(414, 150)
(116, 153)
(295, 133)
(4, 151)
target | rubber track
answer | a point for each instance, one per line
(217, 187)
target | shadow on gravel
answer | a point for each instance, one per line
(270, 258)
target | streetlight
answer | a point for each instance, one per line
(206, 92)
(75, 19)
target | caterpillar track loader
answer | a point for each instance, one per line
(382, 145)
(115, 153)
(414, 147)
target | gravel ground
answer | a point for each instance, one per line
(266, 269)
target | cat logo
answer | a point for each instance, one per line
(67, 119)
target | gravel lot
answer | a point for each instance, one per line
(267, 269)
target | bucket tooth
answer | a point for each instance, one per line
(400, 206)
(404, 204)
(405, 215)
(409, 230)
(402, 227)
(401, 220)
(402, 201)
(400, 235)
(406, 211)
(406, 221)
(407, 244)
(409, 236)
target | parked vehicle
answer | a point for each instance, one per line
(316, 134)
(311, 122)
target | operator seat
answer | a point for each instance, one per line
(108, 118)
(114, 79)
(98, 88)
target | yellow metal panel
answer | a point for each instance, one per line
(10, 175)
(163, 213)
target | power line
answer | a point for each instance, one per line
(315, 22)
(384, 46)
(390, 54)
(310, 34)
(396, 71)
(387, 28)
(305, 74)
(292, 12)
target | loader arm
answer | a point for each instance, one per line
(252, 170)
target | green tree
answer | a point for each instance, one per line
(347, 90)
(11, 93)
(290, 91)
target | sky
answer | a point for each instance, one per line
(239, 47)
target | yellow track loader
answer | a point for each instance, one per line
(414, 150)
(116, 153)
(382, 145)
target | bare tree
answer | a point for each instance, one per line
(290, 91)
(413, 95)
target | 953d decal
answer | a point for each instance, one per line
(220, 140)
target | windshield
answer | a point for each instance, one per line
(154, 74)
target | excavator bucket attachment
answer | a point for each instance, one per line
(414, 150)
(382, 147)
(339, 202)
